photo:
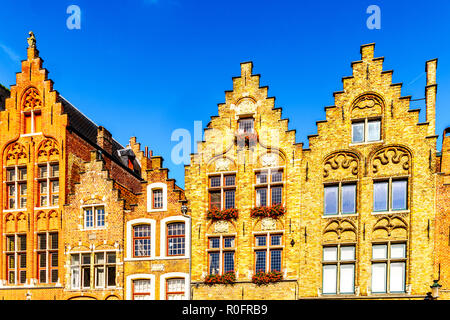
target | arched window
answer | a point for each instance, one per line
(175, 289)
(141, 240)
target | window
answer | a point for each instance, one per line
(94, 217)
(221, 254)
(48, 182)
(104, 270)
(157, 198)
(338, 269)
(16, 258)
(175, 289)
(269, 187)
(390, 195)
(340, 198)
(366, 131)
(246, 125)
(32, 121)
(47, 257)
(268, 252)
(175, 239)
(222, 191)
(16, 187)
(388, 267)
(142, 289)
(142, 240)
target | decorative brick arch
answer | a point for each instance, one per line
(48, 150)
(31, 99)
(387, 155)
(15, 153)
(344, 159)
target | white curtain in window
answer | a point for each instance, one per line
(75, 277)
(397, 277)
(329, 279)
(379, 277)
(347, 278)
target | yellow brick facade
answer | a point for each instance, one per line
(406, 150)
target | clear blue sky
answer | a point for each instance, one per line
(147, 67)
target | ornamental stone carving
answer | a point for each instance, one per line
(32, 99)
(394, 155)
(342, 160)
(245, 106)
(221, 226)
(269, 160)
(268, 224)
(222, 164)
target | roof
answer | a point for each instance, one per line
(82, 124)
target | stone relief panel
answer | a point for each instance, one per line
(392, 160)
(341, 165)
(340, 230)
(367, 105)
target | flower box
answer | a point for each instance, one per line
(227, 278)
(226, 214)
(273, 212)
(261, 277)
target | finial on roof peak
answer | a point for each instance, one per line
(31, 40)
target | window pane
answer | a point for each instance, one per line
(42, 241)
(99, 276)
(378, 277)
(275, 240)
(88, 218)
(331, 199)
(329, 279)
(229, 199)
(398, 251)
(246, 125)
(397, 277)
(22, 173)
(100, 216)
(157, 198)
(277, 176)
(330, 254)
(374, 130)
(380, 196)
(215, 199)
(379, 251)
(275, 260)
(214, 181)
(11, 174)
(260, 241)
(261, 197)
(261, 177)
(358, 132)
(399, 192)
(43, 171)
(228, 242)
(228, 261)
(214, 263)
(347, 253)
(230, 180)
(111, 276)
(277, 195)
(214, 242)
(347, 278)
(348, 198)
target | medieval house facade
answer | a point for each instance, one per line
(360, 213)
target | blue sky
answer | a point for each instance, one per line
(147, 67)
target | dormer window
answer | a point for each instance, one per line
(366, 130)
(246, 125)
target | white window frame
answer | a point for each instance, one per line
(138, 276)
(389, 181)
(150, 188)
(339, 185)
(365, 122)
(95, 218)
(166, 276)
(163, 238)
(48, 179)
(16, 183)
(338, 263)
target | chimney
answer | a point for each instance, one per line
(430, 95)
(104, 139)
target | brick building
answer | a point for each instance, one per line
(351, 216)
(69, 196)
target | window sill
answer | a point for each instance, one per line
(31, 134)
(389, 212)
(340, 215)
